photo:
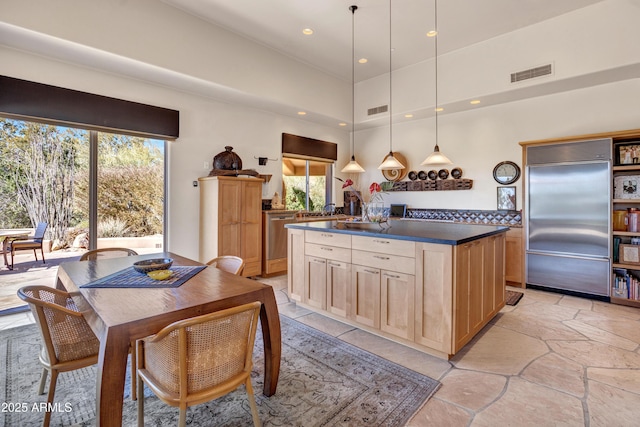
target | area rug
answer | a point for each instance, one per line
(513, 297)
(323, 382)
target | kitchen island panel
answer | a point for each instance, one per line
(434, 296)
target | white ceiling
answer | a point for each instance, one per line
(278, 24)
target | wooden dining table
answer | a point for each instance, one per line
(123, 314)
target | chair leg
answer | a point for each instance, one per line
(140, 402)
(252, 403)
(182, 421)
(35, 254)
(52, 392)
(42, 253)
(43, 381)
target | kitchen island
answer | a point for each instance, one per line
(431, 286)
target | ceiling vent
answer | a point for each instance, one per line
(377, 110)
(532, 73)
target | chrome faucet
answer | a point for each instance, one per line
(331, 211)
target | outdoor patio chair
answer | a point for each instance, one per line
(69, 342)
(196, 360)
(30, 242)
(95, 254)
(230, 263)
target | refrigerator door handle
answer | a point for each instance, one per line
(569, 255)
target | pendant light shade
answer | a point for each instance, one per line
(353, 166)
(390, 162)
(436, 158)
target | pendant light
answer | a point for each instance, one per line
(353, 166)
(390, 162)
(436, 158)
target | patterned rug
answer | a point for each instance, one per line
(323, 382)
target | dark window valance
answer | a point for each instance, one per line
(300, 146)
(27, 100)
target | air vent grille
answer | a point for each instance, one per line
(532, 73)
(377, 110)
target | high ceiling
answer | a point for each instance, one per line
(278, 24)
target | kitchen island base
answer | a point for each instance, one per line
(434, 297)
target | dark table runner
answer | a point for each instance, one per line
(130, 278)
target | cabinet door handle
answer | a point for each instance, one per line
(371, 271)
(334, 264)
(324, 248)
(319, 261)
(381, 241)
(393, 276)
(381, 257)
(326, 235)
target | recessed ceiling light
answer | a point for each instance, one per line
(363, 60)
(408, 116)
(438, 109)
(474, 102)
(307, 31)
(342, 124)
(432, 33)
(302, 113)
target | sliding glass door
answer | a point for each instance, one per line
(95, 189)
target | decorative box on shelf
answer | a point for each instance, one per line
(629, 254)
(626, 187)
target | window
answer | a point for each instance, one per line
(306, 184)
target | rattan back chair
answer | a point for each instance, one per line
(95, 254)
(69, 342)
(230, 263)
(196, 360)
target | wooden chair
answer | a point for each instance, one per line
(69, 342)
(196, 360)
(95, 254)
(230, 263)
(31, 242)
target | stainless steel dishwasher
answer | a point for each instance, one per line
(275, 240)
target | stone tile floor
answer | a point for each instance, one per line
(550, 360)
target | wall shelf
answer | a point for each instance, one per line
(437, 185)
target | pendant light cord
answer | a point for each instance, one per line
(435, 8)
(353, 9)
(390, 86)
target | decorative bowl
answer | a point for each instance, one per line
(148, 265)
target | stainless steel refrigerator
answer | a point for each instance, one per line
(568, 217)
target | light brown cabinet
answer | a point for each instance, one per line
(514, 259)
(433, 297)
(231, 220)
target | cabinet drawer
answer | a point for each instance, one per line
(386, 246)
(328, 252)
(383, 261)
(325, 238)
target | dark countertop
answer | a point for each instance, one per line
(417, 231)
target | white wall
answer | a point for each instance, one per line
(477, 140)
(206, 126)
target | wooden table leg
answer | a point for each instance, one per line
(271, 335)
(112, 367)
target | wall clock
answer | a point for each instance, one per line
(506, 172)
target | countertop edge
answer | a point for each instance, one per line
(330, 226)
